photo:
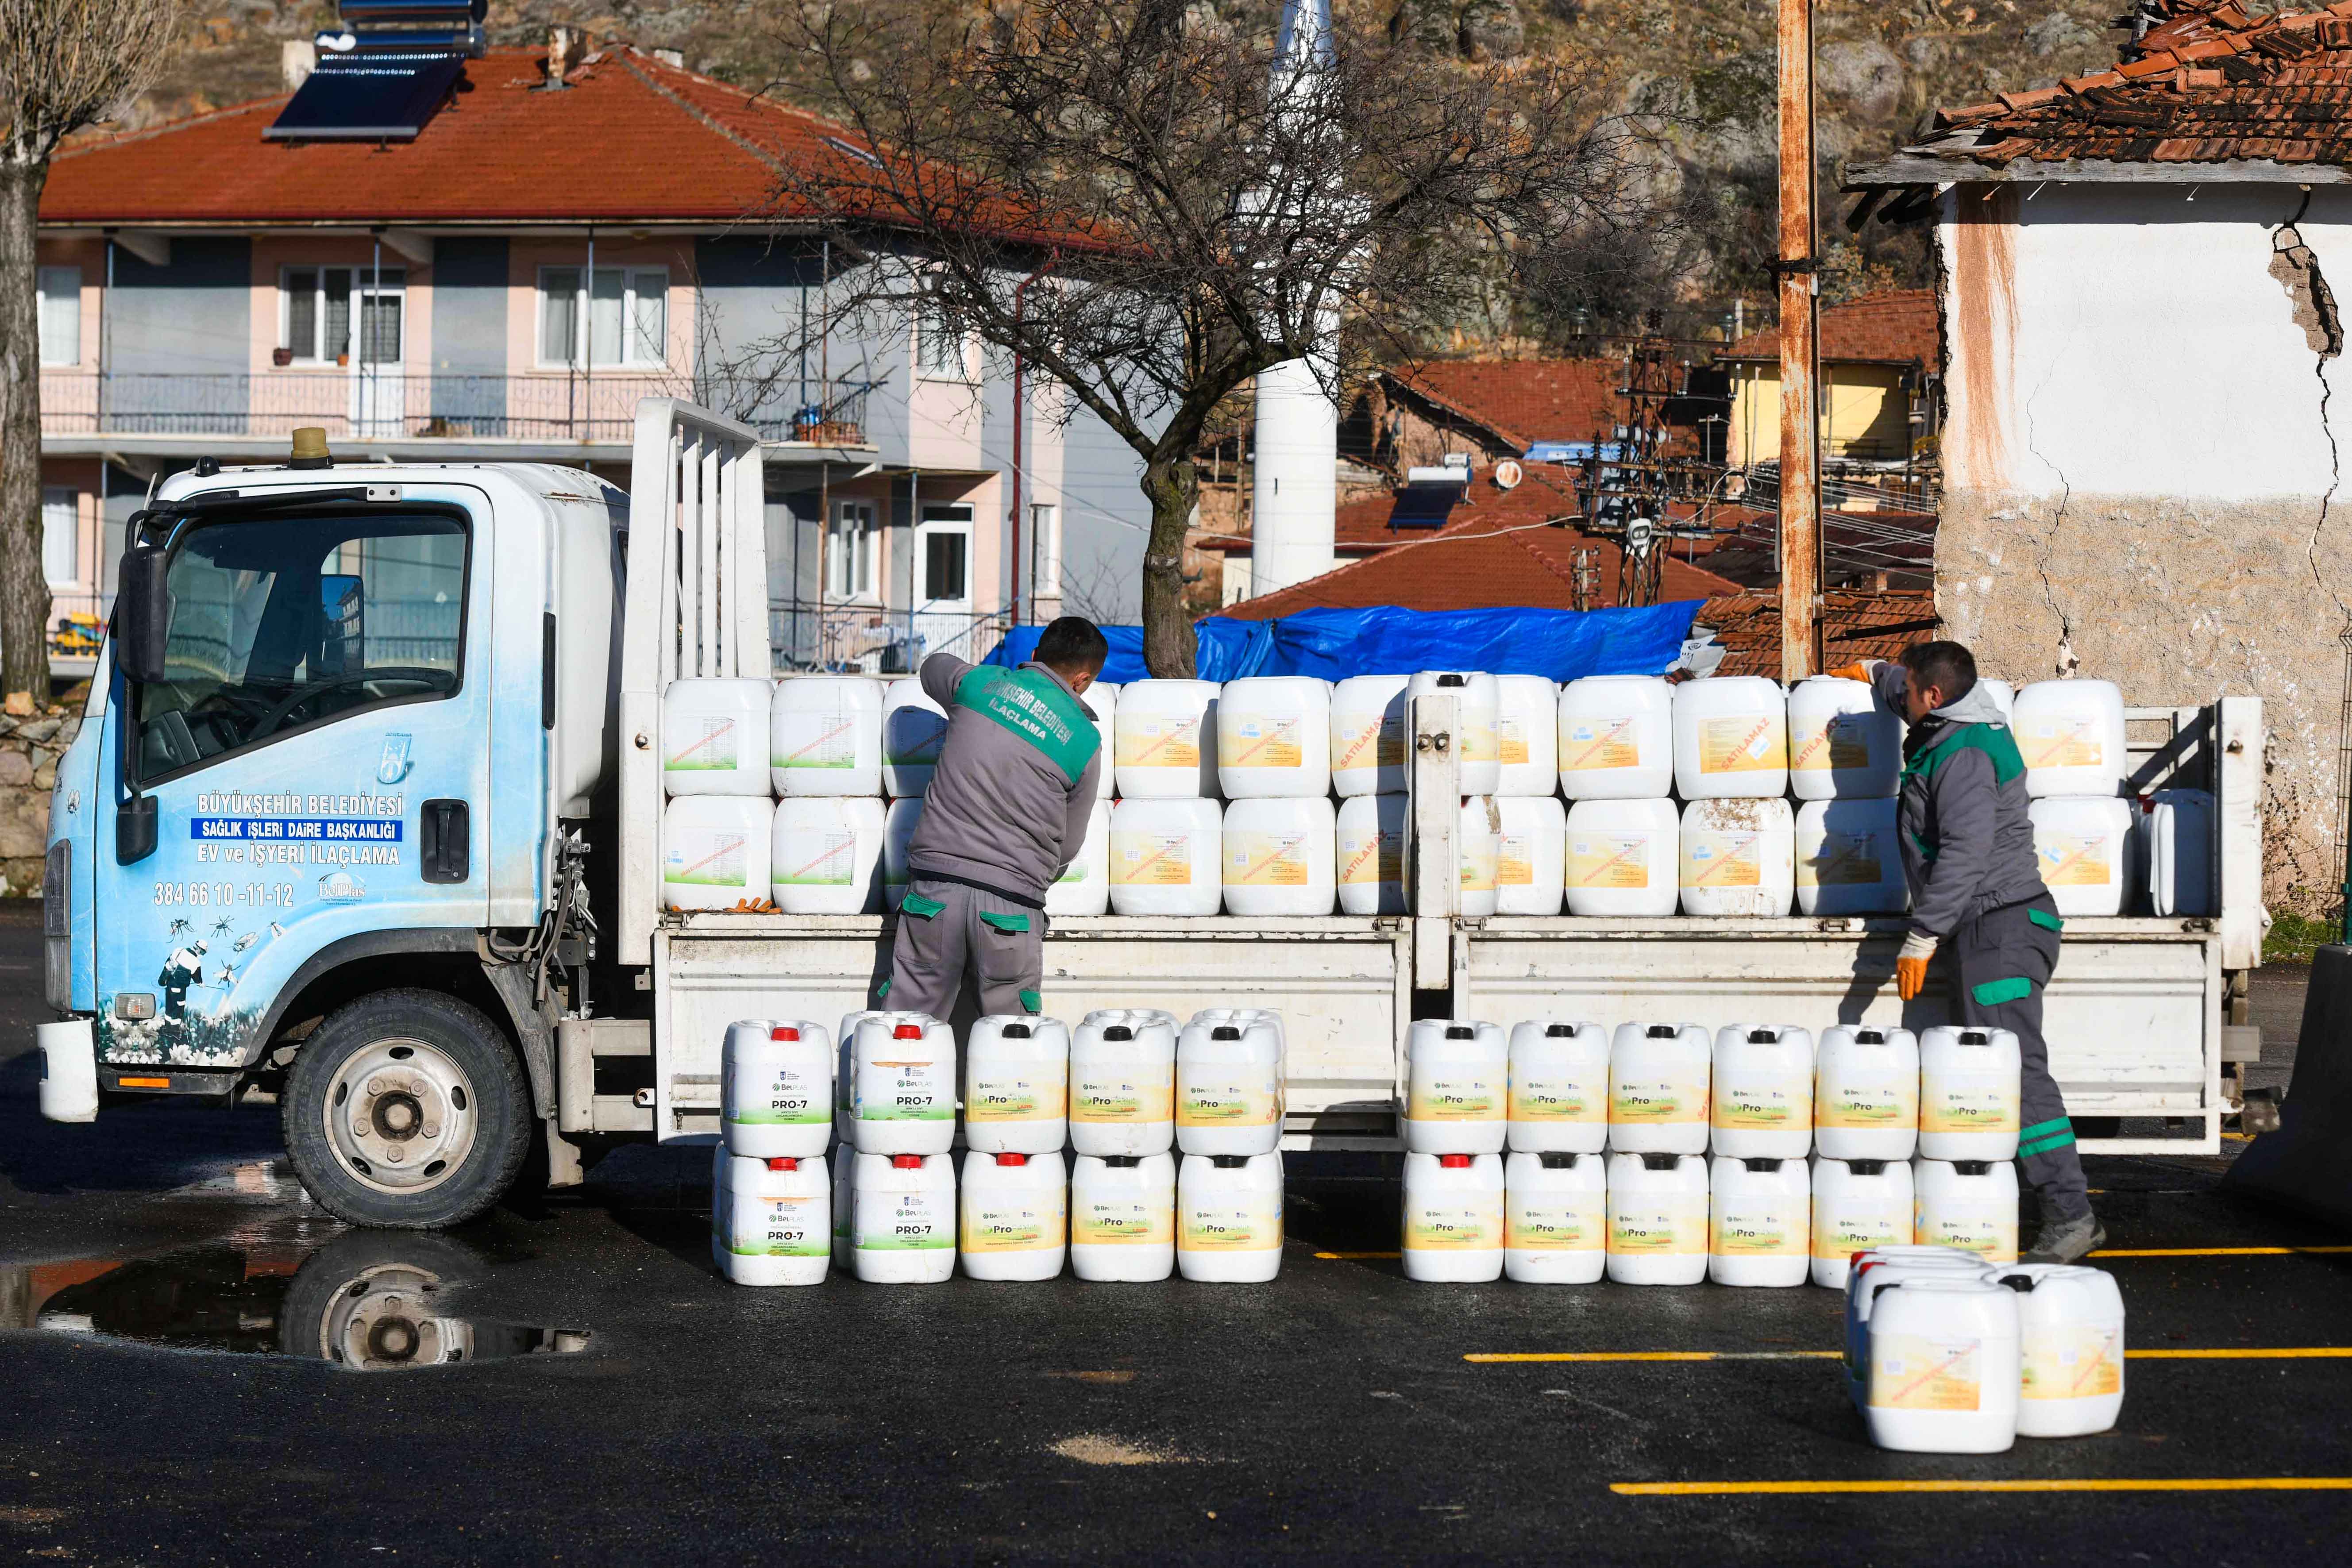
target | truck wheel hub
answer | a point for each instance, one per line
(400, 1115)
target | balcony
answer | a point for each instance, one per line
(404, 413)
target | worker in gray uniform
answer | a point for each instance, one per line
(1006, 813)
(1976, 897)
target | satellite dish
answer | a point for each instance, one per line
(1506, 473)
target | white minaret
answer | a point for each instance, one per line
(1295, 494)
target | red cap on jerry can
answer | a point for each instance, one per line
(907, 1032)
(906, 1161)
(783, 1164)
(783, 1032)
(1454, 1161)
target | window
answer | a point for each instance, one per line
(1045, 535)
(60, 288)
(942, 352)
(280, 623)
(60, 535)
(945, 542)
(849, 549)
(624, 321)
(315, 314)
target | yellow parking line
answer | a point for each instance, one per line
(2189, 1484)
(1654, 1355)
(2281, 1352)
(1354, 1257)
(2213, 1251)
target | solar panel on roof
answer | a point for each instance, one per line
(1424, 506)
(387, 75)
(367, 98)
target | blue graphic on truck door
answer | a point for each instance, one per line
(320, 686)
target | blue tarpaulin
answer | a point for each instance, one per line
(1564, 645)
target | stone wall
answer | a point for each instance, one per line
(2178, 601)
(30, 745)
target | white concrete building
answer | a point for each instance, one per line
(2148, 403)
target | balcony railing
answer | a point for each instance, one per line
(366, 404)
(877, 639)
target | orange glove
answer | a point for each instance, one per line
(1910, 977)
(1911, 964)
(1859, 671)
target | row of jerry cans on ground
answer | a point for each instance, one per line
(1127, 1081)
(905, 1219)
(1560, 1218)
(1754, 1092)
(1946, 1354)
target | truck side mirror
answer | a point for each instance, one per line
(142, 613)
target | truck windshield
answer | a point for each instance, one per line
(282, 624)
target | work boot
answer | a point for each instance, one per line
(2065, 1240)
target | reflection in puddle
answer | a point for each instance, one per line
(374, 1301)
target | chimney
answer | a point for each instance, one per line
(563, 55)
(297, 58)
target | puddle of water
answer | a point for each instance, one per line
(370, 1300)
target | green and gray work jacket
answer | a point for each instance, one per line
(1016, 779)
(1967, 842)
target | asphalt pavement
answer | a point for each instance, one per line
(171, 1304)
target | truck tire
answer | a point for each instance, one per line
(407, 1110)
(372, 1301)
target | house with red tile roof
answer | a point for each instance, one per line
(2143, 454)
(1879, 361)
(505, 280)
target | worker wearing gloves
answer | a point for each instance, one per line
(1006, 813)
(1976, 897)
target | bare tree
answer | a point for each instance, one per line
(1129, 195)
(64, 64)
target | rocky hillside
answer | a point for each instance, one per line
(1704, 67)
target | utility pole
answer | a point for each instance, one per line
(1798, 275)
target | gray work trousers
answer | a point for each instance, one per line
(2002, 961)
(946, 928)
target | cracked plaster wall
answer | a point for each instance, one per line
(2141, 463)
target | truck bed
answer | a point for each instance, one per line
(2133, 1015)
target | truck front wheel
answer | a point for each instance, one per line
(407, 1110)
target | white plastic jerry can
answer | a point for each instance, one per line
(2071, 1349)
(1530, 869)
(1560, 1087)
(1367, 735)
(1016, 1085)
(775, 1087)
(1731, 739)
(1123, 1083)
(715, 851)
(903, 1214)
(2083, 848)
(1457, 1097)
(824, 855)
(844, 1079)
(1277, 856)
(1164, 739)
(1123, 1217)
(1658, 1219)
(1273, 738)
(772, 1220)
(1858, 1204)
(1882, 1266)
(2176, 849)
(1969, 1094)
(1229, 1218)
(1623, 858)
(1167, 856)
(1479, 841)
(1555, 1217)
(1616, 737)
(1842, 744)
(1229, 1083)
(2070, 734)
(1453, 1217)
(1084, 886)
(1849, 858)
(1866, 1093)
(1738, 858)
(1527, 735)
(1760, 1219)
(913, 729)
(824, 736)
(1370, 857)
(904, 1097)
(1762, 1094)
(1971, 1204)
(713, 730)
(898, 827)
(1658, 1076)
(1943, 1366)
(1014, 1221)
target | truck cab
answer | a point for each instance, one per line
(322, 832)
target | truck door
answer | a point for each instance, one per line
(317, 752)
